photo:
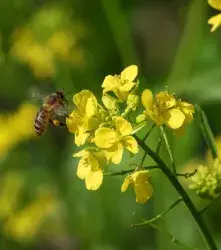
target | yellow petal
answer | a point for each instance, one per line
(90, 123)
(123, 126)
(147, 99)
(143, 192)
(117, 156)
(111, 83)
(129, 74)
(215, 21)
(83, 169)
(122, 95)
(165, 100)
(110, 152)
(105, 137)
(126, 184)
(142, 187)
(216, 4)
(101, 157)
(115, 153)
(127, 87)
(188, 110)
(80, 99)
(81, 136)
(140, 176)
(109, 102)
(94, 180)
(73, 121)
(174, 118)
(131, 144)
(82, 153)
(91, 107)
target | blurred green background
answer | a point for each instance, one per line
(50, 45)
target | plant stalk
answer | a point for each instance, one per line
(207, 132)
(207, 237)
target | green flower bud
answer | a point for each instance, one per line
(133, 100)
(207, 181)
(140, 118)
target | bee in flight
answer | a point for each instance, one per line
(54, 104)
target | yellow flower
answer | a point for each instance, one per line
(48, 37)
(113, 141)
(215, 21)
(90, 168)
(82, 119)
(11, 186)
(166, 109)
(216, 4)
(188, 110)
(121, 84)
(16, 127)
(141, 185)
(61, 43)
(41, 60)
(26, 224)
(28, 50)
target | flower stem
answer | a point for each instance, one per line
(149, 132)
(187, 175)
(188, 202)
(159, 216)
(173, 239)
(123, 172)
(159, 143)
(207, 132)
(168, 147)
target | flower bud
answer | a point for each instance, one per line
(140, 118)
(207, 181)
(133, 101)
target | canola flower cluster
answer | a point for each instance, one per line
(24, 223)
(207, 181)
(106, 129)
(47, 39)
(16, 127)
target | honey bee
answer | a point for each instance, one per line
(54, 104)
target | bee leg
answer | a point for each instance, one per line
(57, 123)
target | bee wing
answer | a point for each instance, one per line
(39, 97)
(36, 95)
(63, 111)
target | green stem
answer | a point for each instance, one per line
(159, 216)
(149, 132)
(187, 175)
(143, 159)
(207, 132)
(123, 172)
(159, 143)
(188, 202)
(173, 239)
(168, 147)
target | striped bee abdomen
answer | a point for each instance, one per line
(41, 120)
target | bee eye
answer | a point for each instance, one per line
(53, 100)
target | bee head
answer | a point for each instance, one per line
(61, 96)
